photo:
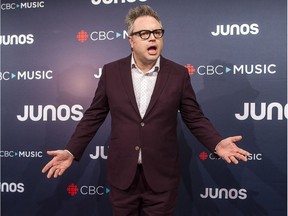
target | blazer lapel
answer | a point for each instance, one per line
(126, 78)
(162, 78)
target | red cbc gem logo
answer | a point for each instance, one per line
(82, 36)
(203, 156)
(72, 189)
(190, 69)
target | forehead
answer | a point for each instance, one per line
(146, 23)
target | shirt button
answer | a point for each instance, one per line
(142, 124)
(137, 148)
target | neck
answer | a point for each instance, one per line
(145, 66)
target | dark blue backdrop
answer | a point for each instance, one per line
(51, 59)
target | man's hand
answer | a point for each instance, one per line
(61, 161)
(229, 151)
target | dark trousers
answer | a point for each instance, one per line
(139, 199)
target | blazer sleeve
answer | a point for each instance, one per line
(92, 119)
(196, 121)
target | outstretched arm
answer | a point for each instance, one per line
(61, 161)
(229, 151)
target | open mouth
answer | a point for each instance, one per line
(152, 50)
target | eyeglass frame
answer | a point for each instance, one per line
(150, 32)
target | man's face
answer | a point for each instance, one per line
(146, 51)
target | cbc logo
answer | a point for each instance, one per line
(27, 75)
(257, 69)
(252, 157)
(87, 190)
(21, 154)
(22, 5)
(110, 35)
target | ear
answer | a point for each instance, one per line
(130, 41)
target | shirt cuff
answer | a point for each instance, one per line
(69, 153)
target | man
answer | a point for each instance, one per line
(143, 92)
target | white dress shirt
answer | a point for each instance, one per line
(143, 84)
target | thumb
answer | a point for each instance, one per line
(52, 153)
(236, 138)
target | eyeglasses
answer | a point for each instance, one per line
(145, 34)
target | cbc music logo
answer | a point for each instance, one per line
(20, 39)
(108, 2)
(22, 5)
(87, 190)
(11, 187)
(82, 36)
(235, 29)
(211, 156)
(224, 193)
(51, 113)
(27, 75)
(20, 154)
(265, 112)
(210, 70)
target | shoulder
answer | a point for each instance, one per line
(173, 66)
(125, 60)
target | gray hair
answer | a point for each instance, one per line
(134, 13)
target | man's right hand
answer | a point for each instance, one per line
(61, 161)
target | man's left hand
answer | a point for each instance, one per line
(229, 151)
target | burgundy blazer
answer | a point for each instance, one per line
(155, 134)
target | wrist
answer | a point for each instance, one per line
(69, 153)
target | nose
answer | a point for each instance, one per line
(152, 37)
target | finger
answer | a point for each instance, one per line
(47, 167)
(236, 138)
(244, 153)
(61, 172)
(241, 157)
(51, 172)
(234, 159)
(56, 173)
(52, 153)
(227, 159)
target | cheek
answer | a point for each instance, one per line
(139, 47)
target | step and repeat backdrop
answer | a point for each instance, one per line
(52, 54)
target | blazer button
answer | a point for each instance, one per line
(137, 148)
(142, 124)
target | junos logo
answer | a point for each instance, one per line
(52, 113)
(97, 76)
(235, 29)
(99, 153)
(224, 193)
(11, 187)
(266, 111)
(16, 39)
(253, 69)
(97, 2)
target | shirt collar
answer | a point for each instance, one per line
(155, 68)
